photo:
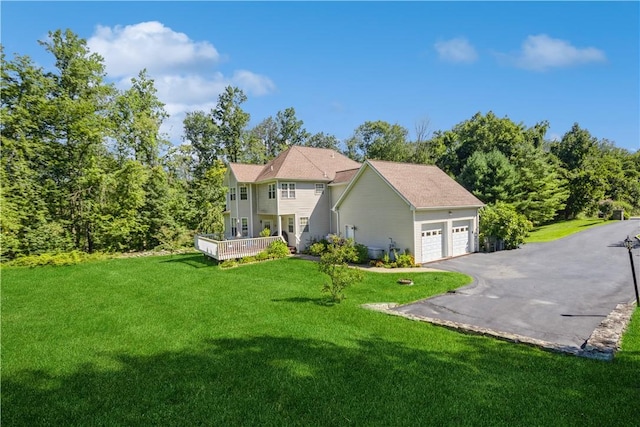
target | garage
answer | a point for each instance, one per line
(432, 243)
(460, 234)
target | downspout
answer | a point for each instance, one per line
(250, 189)
(278, 209)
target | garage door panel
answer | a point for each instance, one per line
(432, 244)
(461, 240)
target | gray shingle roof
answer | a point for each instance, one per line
(297, 163)
(424, 186)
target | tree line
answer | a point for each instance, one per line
(84, 165)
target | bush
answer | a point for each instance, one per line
(317, 249)
(363, 253)
(55, 259)
(265, 232)
(278, 249)
(405, 260)
(333, 263)
(503, 222)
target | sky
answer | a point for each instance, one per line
(340, 64)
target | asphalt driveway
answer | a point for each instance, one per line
(556, 292)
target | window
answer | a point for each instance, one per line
(288, 190)
(304, 224)
(319, 188)
(291, 224)
(245, 227)
(234, 227)
(243, 193)
(232, 193)
(272, 191)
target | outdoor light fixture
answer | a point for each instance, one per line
(628, 243)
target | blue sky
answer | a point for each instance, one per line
(340, 64)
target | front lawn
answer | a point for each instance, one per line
(178, 341)
(557, 230)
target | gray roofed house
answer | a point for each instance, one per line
(307, 193)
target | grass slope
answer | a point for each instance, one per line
(177, 341)
(557, 230)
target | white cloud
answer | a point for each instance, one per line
(182, 69)
(541, 52)
(151, 45)
(456, 50)
(252, 83)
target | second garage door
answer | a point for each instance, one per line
(432, 243)
(460, 240)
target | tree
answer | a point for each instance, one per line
(579, 156)
(290, 130)
(321, 140)
(230, 121)
(379, 140)
(501, 221)
(333, 263)
(489, 176)
(201, 132)
(137, 117)
(79, 124)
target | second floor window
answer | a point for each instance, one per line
(234, 226)
(243, 193)
(272, 191)
(232, 193)
(319, 188)
(288, 190)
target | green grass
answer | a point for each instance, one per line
(177, 341)
(558, 230)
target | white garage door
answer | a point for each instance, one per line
(431, 244)
(460, 240)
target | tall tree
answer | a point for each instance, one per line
(230, 120)
(290, 129)
(490, 177)
(137, 117)
(322, 140)
(379, 140)
(201, 133)
(578, 154)
(79, 124)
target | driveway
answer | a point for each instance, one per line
(556, 292)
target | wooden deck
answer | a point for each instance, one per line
(229, 249)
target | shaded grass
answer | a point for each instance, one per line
(177, 341)
(558, 230)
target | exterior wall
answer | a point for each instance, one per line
(335, 191)
(457, 217)
(264, 205)
(378, 213)
(240, 208)
(307, 204)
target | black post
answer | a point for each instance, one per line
(635, 281)
(629, 244)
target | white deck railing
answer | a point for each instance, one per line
(227, 249)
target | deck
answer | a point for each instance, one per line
(229, 249)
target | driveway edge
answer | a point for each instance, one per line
(601, 345)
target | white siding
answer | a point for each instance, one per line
(335, 192)
(378, 213)
(308, 204)
(460, 216)
(265, 205)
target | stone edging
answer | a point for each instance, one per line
(601, 345)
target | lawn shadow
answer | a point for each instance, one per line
(325, 301)
(197, 260)
(269, 380)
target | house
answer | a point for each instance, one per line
(411, 207)
(306, 193)
(292, 195)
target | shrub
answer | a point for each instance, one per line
(363, 253)
(333, 263)
(503, 222)
(405, 260)
(278, 249)
(265, 232)
(229, 263)
(317, 249)
(55, 259)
